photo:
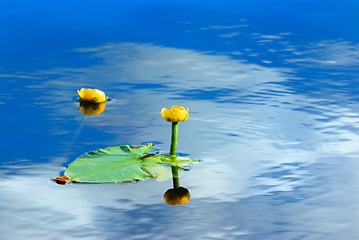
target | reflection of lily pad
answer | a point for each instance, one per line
(122, 163)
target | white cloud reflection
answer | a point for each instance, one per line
(250, 118)
(223, 27)
(254, 135)
(336, 53)
(267, 36)
(229, 35)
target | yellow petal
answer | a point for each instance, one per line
(164, 113)
(92, 95)
(175, 114)
(186, 116)
(79, 92)
(167, 115)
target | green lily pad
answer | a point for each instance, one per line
(122, 164)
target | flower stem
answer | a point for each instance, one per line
(174, 138)
(173, 153)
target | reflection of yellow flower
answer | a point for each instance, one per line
(178, 196)
(91, 95)
(89, 109)
(175, 114)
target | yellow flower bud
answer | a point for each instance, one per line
(92, 95)
(89, 109)
(175, 114)
(178, 196)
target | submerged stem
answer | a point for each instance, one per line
(175, 177)
(174, 138)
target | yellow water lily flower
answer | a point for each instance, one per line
(178, 196)
(175, 114)
(90, 109)
(92, 95)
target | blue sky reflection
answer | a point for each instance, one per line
(272, 93)
(258, 118)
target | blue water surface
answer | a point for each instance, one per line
(272, 91)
